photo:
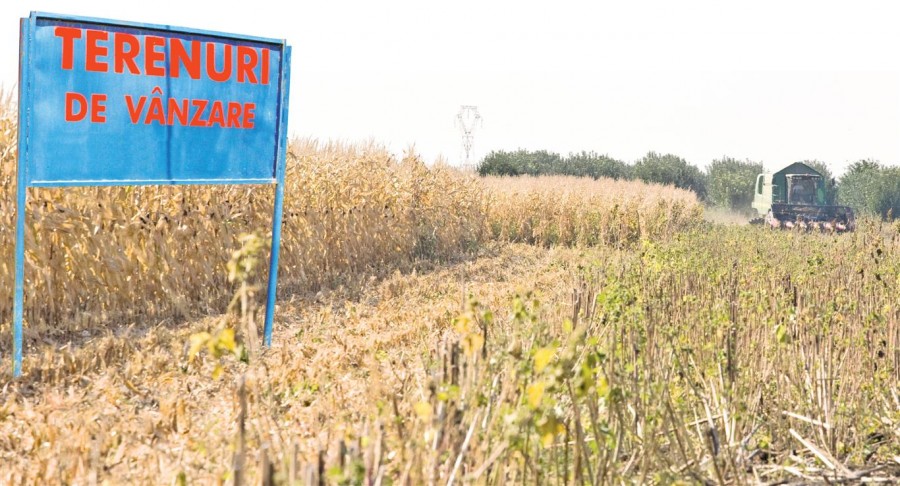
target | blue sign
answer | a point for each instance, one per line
(105, 102)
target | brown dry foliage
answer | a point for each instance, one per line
(351, 212)
(551, 210)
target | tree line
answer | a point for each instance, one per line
(867, 186)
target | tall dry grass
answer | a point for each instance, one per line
(554, 210)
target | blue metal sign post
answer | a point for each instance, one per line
(109, 103)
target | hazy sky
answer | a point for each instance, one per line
(774, 81)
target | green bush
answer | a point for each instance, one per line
(542, 162)
(670, 169)
(868, 186)
(499, 163)
(592, 164)
(729, 182)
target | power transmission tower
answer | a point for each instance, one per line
(467, 119)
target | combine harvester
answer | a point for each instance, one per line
(794, 197)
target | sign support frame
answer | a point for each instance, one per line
(26, 107)
(26, 27)
(278, 210)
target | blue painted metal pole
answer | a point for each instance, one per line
(280, 171)
(272, 288)
(26, 30)
(20, 273)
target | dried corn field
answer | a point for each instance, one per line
(351, 212)
(559, 210)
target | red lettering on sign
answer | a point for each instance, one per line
(246, 62)
(223, 75)
(98, 107)
(234, 115)
(217, 114)
(77, 107)
(68, 36)
(264, 67)
(248, 114)
(176, 110)
(221, 62)
(179, 57)
(134, 112)
(155, 112)
(95, 50)
(74, 114)
(153, 56)
(186, 112)
(123, 57)
(196, 121)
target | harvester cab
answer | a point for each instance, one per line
(795, 197)
(806, 189)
